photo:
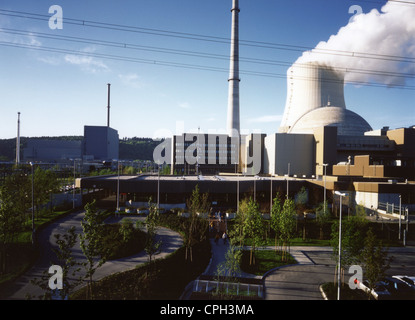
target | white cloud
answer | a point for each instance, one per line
(86, 62)
(131, 80)
(184, 105)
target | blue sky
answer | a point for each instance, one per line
(59, 83)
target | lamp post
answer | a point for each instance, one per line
(74, 181)
(400, 220)
(324, 203)
(340, 243)
(118, 190)
(288, 177)
(33, 203)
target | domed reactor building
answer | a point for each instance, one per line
(315, 98)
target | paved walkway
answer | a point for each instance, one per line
(21, 288)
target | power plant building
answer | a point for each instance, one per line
(100, 143)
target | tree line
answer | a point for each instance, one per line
(22, 193)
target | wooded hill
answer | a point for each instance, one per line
(130, 148)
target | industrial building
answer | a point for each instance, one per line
(320, 145)
(51, 150)
(100, 143)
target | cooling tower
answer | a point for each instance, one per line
(315, 97)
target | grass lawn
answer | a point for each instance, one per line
(265, 260)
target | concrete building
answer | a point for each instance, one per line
(51, 150)
(204, 154)
(289, 153)
(100, 143)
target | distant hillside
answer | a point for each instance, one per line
(130, 148)
(137, 148)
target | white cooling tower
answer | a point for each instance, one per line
(312, 86)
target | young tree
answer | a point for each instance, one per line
(374, 259)
(253, 227)
(91, 243)
(45, 183)
(322, 217)
(15, 195)
(197, 227)
(287, 224)
(275, 219)
(70, 267)
(352, 243)
(152, 246)
(236, 232)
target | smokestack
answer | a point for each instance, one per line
(233, 124)
(18, 140)
(108, 107)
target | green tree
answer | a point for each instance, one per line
(152, 246)
(375, 261)
(45, 184)
(253, 227)
(287, 225)
(67, 262)
(91, 244)
(352, 243)
(323, 216)
(236, 232)
(197, 227)
(275, 219)
(15, 200)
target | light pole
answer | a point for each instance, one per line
(340, 244)
(33, 203)
(118, 190)
(288, 177)
(74, 181)
(324, 203)
(400, 220)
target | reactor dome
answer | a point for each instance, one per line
(348, 123)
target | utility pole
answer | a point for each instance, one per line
(18, 140)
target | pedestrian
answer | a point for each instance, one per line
(224, 237)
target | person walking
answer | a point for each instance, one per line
(224, 237)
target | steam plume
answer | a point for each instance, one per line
(374, 47)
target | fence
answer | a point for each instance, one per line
(229, 288)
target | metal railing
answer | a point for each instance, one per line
(228, 288)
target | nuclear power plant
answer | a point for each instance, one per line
(318, 136)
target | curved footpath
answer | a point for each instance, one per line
(21, 288)
(281, 283)
(292, 282)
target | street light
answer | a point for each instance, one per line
(324, 203)
(340, 243)
(33, 203)
(288, 177)
(400, 221)
(118, 189)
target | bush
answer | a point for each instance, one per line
(118, 246)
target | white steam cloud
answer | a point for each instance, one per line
(374, 47)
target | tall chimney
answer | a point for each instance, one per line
(18, 140)
(233, 123)
(108, 107)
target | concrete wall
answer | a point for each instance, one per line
(294, 149)
(101, 142)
